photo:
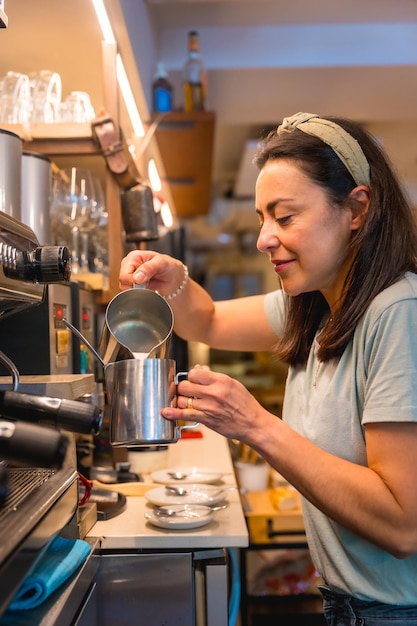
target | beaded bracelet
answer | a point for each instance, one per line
(171, 296)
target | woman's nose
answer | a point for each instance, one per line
(267, 239)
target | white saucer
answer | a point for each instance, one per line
(199, 493)
(187, 516)
(193, 475)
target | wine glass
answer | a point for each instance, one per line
(73, 203)
(99, 235)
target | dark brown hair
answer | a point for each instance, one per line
(383, 250)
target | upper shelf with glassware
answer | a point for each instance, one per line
(74, 138)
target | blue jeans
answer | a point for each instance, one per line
(343, 610)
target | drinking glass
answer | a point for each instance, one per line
(73, 202)
(77, 107)
(99, 261)
(15, 101)
(46, 96)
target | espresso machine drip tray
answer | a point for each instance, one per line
(39, 504)
(21, 484)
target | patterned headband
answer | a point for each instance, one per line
(344, 145)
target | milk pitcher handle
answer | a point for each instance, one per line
(184, 376)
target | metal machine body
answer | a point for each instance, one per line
(36, 503)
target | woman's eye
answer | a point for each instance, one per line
(282, 221)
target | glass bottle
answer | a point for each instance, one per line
(162, 91)
(195, 77)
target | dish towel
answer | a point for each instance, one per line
(59, 561)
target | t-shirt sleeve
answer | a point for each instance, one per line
(390, 365)
(274, 308)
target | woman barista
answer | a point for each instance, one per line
(342, 240)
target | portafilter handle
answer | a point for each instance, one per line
(71, 415)
(31, 445)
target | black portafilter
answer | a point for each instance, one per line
(30, 445)
(71, 415)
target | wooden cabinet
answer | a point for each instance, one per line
(185, 142)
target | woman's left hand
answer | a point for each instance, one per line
(217, 401)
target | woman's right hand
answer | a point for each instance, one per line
(158, 272)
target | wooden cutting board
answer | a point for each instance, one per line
(127, 489)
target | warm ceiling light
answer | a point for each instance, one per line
(122, 78)
(129, 98)
(166, 215)
(154, 176)
(103, 20)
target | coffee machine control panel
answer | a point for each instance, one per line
(36, 339)
(58, 330)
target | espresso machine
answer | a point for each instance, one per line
(38, 476)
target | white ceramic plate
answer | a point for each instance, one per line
(187, 516)
(192, 474)
(208, 495)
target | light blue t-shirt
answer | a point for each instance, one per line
(375, 380)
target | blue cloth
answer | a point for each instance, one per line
(59, 561)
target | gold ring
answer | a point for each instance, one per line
(190, 403)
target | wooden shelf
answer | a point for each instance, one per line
(56, 139)
(62, 130)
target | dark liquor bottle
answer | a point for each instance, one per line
(195, 77)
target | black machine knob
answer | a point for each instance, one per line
(49, 264)
(44, 264)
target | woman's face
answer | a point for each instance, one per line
(306, 238)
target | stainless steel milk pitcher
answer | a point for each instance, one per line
(138, 325)
(137, 390)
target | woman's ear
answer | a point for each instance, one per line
(360, 198)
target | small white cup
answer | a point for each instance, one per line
(252, 476)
